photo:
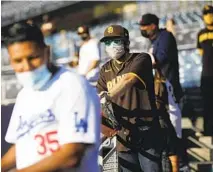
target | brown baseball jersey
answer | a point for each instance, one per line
(137, 101)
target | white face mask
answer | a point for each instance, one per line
(115, 51)
(35, 79)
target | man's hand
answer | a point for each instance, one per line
(9, 159)
(107, 111)
(200, 51)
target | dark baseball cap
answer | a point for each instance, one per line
(115, 31)
(148, 19)
(207, 9)
(82, 29)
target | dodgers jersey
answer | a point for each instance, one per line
(67, 110)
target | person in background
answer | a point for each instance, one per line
(89, 55)
(205, 48)
(164, 49)
(55, 123)
(165, 52)
(48, 26)
(163, 94)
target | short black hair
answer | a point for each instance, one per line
(148, 19)
(21, 32)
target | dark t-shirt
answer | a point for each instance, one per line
(205, 42)
(166, 54)
(139, 100)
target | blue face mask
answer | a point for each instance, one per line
(115, 50)
(35, 79)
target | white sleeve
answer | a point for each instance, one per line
(79, 121)
(94, 51)
(10, 136)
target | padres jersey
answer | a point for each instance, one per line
(205, 42)
(139, 100)
(66, 111)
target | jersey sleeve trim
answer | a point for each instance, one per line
(140, 79)
(10, 140)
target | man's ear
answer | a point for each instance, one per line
(126, 45)
(153, 26)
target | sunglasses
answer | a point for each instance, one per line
(116, 41)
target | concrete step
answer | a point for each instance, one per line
(199, 154)
(187, 123)
(207, 140)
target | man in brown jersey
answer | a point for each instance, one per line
(128, 80)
